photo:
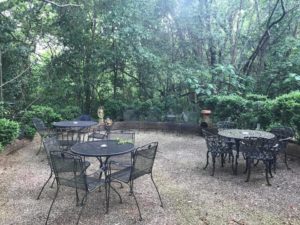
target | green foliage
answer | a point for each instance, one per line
(1, 147)
(28, 130)
(224, 107)
(286, 108)
(113, 108)
(256, 97)
(69, 112)
(9, 130)
(45, 113)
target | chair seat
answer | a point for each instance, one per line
(94, 182)
(122, 175)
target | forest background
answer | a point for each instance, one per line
(150, 58)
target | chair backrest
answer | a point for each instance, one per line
(257, 146)
(283, 132)
(143, 160)
(50, 144)
(67, 137)
(226, 125)
(122, 135)
(69, 169)
(38, 124)
(212, 140)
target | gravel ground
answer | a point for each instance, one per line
(189, 193)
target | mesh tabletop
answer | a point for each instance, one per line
(74, 123)
(241, 134)
(102, 148)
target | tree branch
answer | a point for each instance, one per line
(16, 77)
(265, 37)
(59, 5)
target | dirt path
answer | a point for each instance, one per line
(189, 193)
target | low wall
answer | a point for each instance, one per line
(184, 128)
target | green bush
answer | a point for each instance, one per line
(224, 107)
(286, 107)
(1, 147)
(45, 113)
(255, 97)
(113, 109)
(9, 130)
(28, 131)
(70, 112)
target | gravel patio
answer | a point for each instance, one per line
(190, 195)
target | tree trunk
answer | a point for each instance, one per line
(1, 79)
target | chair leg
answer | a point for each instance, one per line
(116, 192)
(136, 202)
(248, 169)
(232, 163)
(38, 197)
(41, 146)
(107, 195)
(52, 204)
(77, 197)
(52, 183)
(161, 204)
(267, 174)
(84, 199)
(285, 161)
(275, 163)
(207, 160)
(214, 164)
(270, 168)
(222, 160)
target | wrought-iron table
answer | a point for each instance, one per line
(74, 124)
(239, 134)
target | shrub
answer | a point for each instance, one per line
(224, 107)
(70, 112)
(45, 113)
(113, 109)
(255, 97)
(9, 130)
(286, 107)
(1, 147)
(28, 131)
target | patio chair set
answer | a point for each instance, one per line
(254, 145)
(120, 161)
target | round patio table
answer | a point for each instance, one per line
(240, 134)
(102, 149)
(74, 124)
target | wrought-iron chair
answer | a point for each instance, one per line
(100, 132)
(42, 130)
(67, 137)
(259, 149)
(221, 125)
(51, 144)
(142, 164)
(216, 147)
(122, 136)
(283, 136)
(69, 170)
